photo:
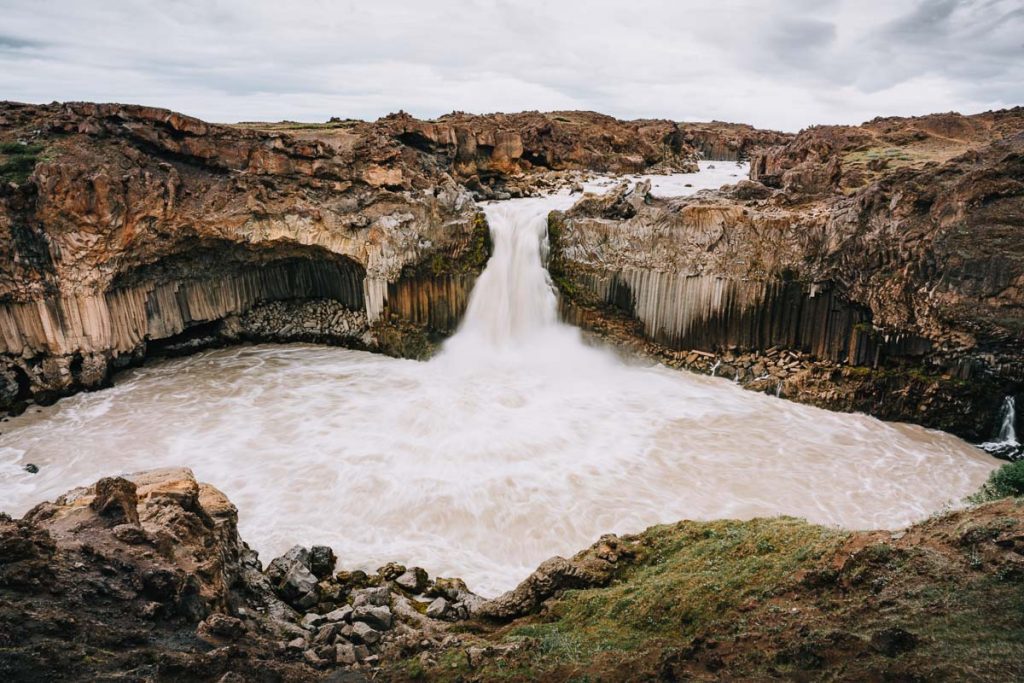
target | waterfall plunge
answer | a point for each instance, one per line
(516, 443)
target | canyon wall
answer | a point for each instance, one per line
(127, 230)
(138, 230)
(889, 286)
(880, 265)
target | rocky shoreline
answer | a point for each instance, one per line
(144, 577)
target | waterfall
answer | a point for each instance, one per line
(1007, 422)
(512, 316)
(514, 298)
(1005, 444)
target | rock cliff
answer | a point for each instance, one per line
(893, 248)
(129, 230)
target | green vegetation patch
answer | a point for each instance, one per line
(18, 160)
(686, 578)
(1006, 482)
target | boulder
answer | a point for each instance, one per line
(378, 617)
(413, 580)
(438, 609)
(321, 561)
(365, 634)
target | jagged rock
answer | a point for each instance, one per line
(280, 566)
(131, 534)
(343, 613)
(833, 265)
(376, 596)
(365, 633)
(312, 620)
(345, 654)
(299, 586)
(391, 571)
(455, 591)
(413, 580)
(116, 498)
(223, 626)
(321, 561)
(593, 567)
(326, 634)
(438, 609)
(377, 617)
(748, 189)
(313, 659)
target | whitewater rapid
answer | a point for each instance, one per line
(516, 443)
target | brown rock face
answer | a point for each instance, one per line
(912, 270)
(140, 227)
(500, 145)
(98, 597)
(127, 230)
(730, 141)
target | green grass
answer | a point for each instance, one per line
(687, 577)
(17, 161)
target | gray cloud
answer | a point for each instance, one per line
(785, 64)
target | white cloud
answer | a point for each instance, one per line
(780, 64)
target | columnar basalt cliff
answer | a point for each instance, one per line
(128, 230)
(881, 264)
(877, 265)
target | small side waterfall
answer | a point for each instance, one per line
(1005, 444)
(1007, 421)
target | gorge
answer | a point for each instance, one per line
(534, 283)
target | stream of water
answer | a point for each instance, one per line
(515, 443)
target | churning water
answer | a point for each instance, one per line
(516, 443)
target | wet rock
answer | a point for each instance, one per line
(299, 586)
(279, 566)
(391, 571)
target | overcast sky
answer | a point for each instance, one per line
(776, 63)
